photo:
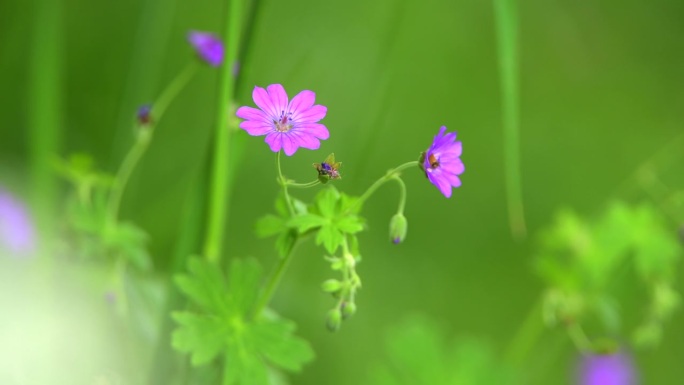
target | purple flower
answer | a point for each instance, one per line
(442, 163)
(144, 115)
(286, 125)
(208, 47)
(16, 226)
(609, 369)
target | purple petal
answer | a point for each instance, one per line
(274, 140)
(16, 226)
(250, 113)
(455, 166)
(290, 145)
(278, 98)
(256, 128)
(263, 101)
(441, 183)
(616, 369)
(305, 140)
(316, 129)
(302, 102)
(312, 115)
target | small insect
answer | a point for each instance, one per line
(432, 159)
(328, 169)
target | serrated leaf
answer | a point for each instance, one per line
(277, 343)
(269, 225)
(201, 336)
(304, 223)
(326, 202)
(205, 285)
(330, 237)
(350, 224)
(243, 284)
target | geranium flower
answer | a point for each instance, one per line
(442, 163)
(287, 125)
(208, 47)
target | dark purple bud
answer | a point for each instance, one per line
(145, 115)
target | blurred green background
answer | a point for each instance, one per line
(602, 91)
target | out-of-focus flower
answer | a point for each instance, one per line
(287, 125)
(608, 369)
(442, 163)
(144, 115)
(17, 234)
(208, 47)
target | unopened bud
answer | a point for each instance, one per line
(331, 286)
(144, 115)
(348, 309)
(334, 320)
(397, 229)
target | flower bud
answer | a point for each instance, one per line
(334, 320)
(144, 115)
(331, 286)
(397, 230)
(348, 309)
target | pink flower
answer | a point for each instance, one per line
(442, 162)
(208, 47)
(287, 124)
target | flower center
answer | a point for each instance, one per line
(284, 123)
(434, 163)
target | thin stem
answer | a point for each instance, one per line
(304, 185)
(145, 137)
(283, 183)
(123, 175)
(273, 282)
(388, 176)
(579, 338)
(526, 337)
(506, 21)
(219, 194)
(402, 193)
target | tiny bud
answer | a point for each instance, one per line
(144, 115)
(331, 286)
(348, 309)
(398, 226)
(334, 320)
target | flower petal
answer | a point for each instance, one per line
(274, 140)
(441, 183)
(278, 98)
(290, 145)
(302, 102)
(256, 128)
(312, 115)
(318, 130)
(304, 139)
(250, 113)
(262, 100)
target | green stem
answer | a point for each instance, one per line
(123, 175)
(273, 282)
(219, 193)
(304, 185)
(579, 338)
(144, 138)
(388, 176)
(506, 20)
(283, 183)
(526, 337)
(402, 193)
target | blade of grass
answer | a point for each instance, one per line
(506, 21)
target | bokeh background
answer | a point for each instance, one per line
(601, 92)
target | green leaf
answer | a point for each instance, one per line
(202, 336)
(330, 237)
(269, 225)
(350, 224)
(286, 242)
(304, 223)
(223, 326)
(326, 202)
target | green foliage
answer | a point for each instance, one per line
(95, 233)
(583, 262)
(418, 352)
(221, 324)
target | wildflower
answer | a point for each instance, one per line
(442, 163)
(16, 227)
(287, 126)
(208, 47)
(144, 115)
(608, 369)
